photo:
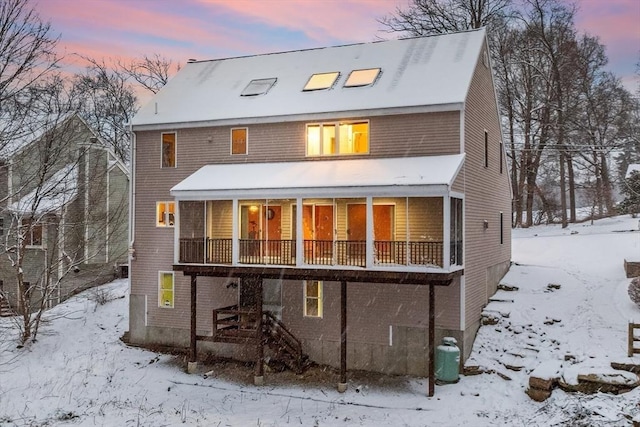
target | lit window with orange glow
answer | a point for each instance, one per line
(359, 78)
(165, 214)
(168, 150)
(239, 141)
(321, 81)
(327, 139)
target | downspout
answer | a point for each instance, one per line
(132, 198)
(86, 205)
(108, 197)
(61, 251)
(463, 288)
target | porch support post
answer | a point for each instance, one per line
(193, 364)
(342, 385)
(258, 378)
(432, 339)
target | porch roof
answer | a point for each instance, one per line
(444, 278)
(312, 177)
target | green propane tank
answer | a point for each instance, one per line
(447, 361)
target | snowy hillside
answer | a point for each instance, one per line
(79, 373)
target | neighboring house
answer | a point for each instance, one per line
(64, 212)
(358, 194)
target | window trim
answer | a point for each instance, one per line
(319, 298)
(29, 236)
(337, 125)
(486, 149)
(175, 150)
(166, 223)
(501, 156)
(306, 87)
(371, 83)
(246, 141)
(161, 274)
(270, 81)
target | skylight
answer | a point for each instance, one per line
(321, 81)
(258, 87)
(362, 77)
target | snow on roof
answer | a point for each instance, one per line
(632, 168)
(247, 177)
(415, 72)
(53, 194)
(15, 136)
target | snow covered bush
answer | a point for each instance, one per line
(631, 190)
(634, 291)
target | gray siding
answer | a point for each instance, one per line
(486, 194)
(71, 227)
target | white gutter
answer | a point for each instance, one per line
(132, 197)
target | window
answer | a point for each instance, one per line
(362, 77)
(326, 139)
(486, 149)
(165, 289)
(455, 233)
(501, 228)
(169, 150)
(32, 233)
(313, 298)
(501, 156)
(321, 81)
(258, 87)
(165, 214)
(239, 141)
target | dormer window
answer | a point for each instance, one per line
(321, 81)
(258, 87)
(365, 77)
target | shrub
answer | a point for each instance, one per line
(634, 291)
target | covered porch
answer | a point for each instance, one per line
(388, 214)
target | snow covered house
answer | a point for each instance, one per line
(347, 203)
(63, 220)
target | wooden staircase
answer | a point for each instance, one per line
(5, 308)
(239, 326)
(286, 347)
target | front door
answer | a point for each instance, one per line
(383, 219)
(356, 233)
(318, 226)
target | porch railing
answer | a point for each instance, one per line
(280, 252)
(316, 252)
(408, 253)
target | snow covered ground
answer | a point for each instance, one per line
(79, 373)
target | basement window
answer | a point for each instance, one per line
(366, 77)
(258, 87)
(313, 298)
(166, 290)
(321, 81)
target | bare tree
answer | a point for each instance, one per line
(152, 72)
(27, 54)
(106, 100)
(56, 219)
(422, 17)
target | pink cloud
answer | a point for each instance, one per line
(353, 20)
(613, 21)
(106, 29)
